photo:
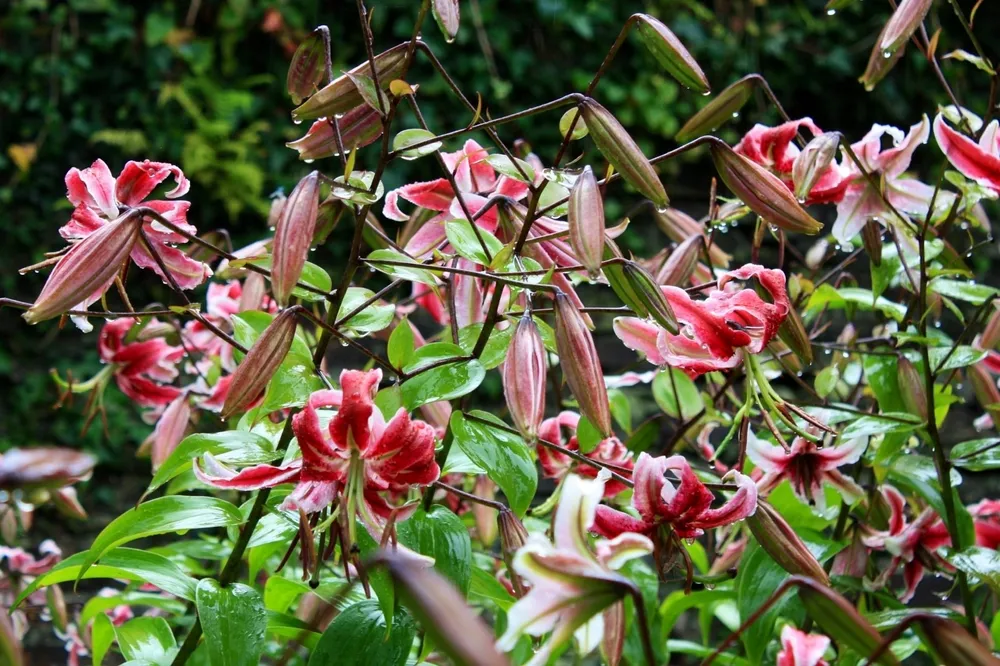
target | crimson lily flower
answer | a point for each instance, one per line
(100, 199)
(978, 161)
(774, 149)
(801, 649)
(144, 369)
(807, 467)
(357, 452)
(686, 507)
(713, 330)
(570, 586)
(913, 545)
(986, 517)
(556, 465)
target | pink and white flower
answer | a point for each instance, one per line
(986, 517)
(143, 370)
(980, 160)
(801, 649)
(557, 465)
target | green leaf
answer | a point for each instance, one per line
(247, 327)
(147, 639)
(826, 380)
(359, 636)
(431, 353)
(102, 635)
(312, 276)
(505, 166)
(838, 299)
(287, 626)
(484, 587)
(374, 317)
(411, 136)
(440, 534)
(970, 292)
(123, 563)
(235, 447)
(496, 347)
(579, 130)
(98, 605)
(982, 563)
(587, 435)
(234, 622)
(160, 516)
(682, 403)
(378, 578)
(889, 422)
(401, 344)
(882, 374)
(502, 454)
(963, 356)
(373, 96)
(703, 652)
(977, 455)
(463, 238)
(444, 382)
(621, 410)
(965, 56)
(411, 272)
(291, 386)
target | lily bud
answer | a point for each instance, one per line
(56, 604)
(524, 373)
(679, 226)
(717, 112)
(990, 337)
(812, 162)
(170, 429)
(446, 15)
(308, 65)
(613, 642)
(871, 237)
(359, 127)
(586, 222)
(677, 270)
(621, 151)
(292, 237)
(341, 95)
(793, 333)
(952, 643)
(261, 362)
(841, 621)
(581, 365)
(442, 612)
(252, 296)
(650, 295)
(671, 53)
(11, 651)
(911, 385)
(780, 541)
(986, 390)
(88, 268)
(816, 254)
(904, 22)
(762, 191)
(513, 535)
(878, 64)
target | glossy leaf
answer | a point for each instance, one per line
(358, 636)
(868, 426)
(401, 343)
(233, 447)
(440, 534)
(977, 455)
(444, 382)
(410, 137)
(375, 317)
(676, 394)
(981, 563)
(147, 639)
(466, 242)
(411, 271)
(233, 621)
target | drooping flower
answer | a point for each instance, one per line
(686, 508)
(100, 198)
(143, 370)
(357, 452)
(774, 148)
(222, 301)
(713, 331)
(570, 585)
(807, 467)
(913, 545)
(801, 649)
(978, 161)
(557, 465)
(986, 517)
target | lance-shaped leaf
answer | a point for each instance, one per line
(901, 26)
(524, 373)
(622, 152)
(446, 14)
(293, 235)
(234, 620)
(306, 70)
(586, 222)
(812, 162)
(780, 541)
(262, 361)
(717, 112)
(953, 644)
(359, 127)
(671, 53)
(442, 612)
(581, 364)
(342, 95)
(87, 269)
(762, 191)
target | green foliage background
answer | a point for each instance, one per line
(201, 84)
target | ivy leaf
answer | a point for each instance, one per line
(440, 534)
(233, 620)
(360, 636)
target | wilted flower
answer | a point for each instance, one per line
(556, 464)
(978, 161)
(570, 586)
(713, 331)
(801, 649)
(807, 467)
(913, 545)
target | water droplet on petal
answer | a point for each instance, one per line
(297, 121)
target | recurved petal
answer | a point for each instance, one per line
(616, 552)
(138, 180)
(211, 471)
(981, 164)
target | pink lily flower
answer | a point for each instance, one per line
(861, 202)
(978, 161)
(774, 148)
(357, 452)
(801, 649)
(715, 330)
(221, 302)
(570, 585)
(986, 517)
(913, 545)
(24, 567)
(685, 508)
(557, 465)
(807, 467)
(142, 370)
(100, 199)
(19, 561)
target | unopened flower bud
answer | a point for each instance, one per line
(677, 270)
(841, 621)
(679, 227)
(513, 535)
(762, 191)
(793, 333)
(621, 151)
(67, 503)
(780, 541)
(719, 111)
(87, 269)
(816, 254)
(581, 364)
(953, 644)
(359, 127)
(902, 24)
(252, 296)
(56, 604)
(650, 296)
(812, 162)
(911, 385)
(524, 374)
(671, 53)
(878, 64)
(170, 429)
(613, 642)
(308, 65)
(278, 200)
(871, 238)
(43, 467)
(292, 237)
(261, 362)
(990, 337)
(8, 525)
(986, 390)
(485, 516)
(586, 222)
(341, 95)
(446, 15)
